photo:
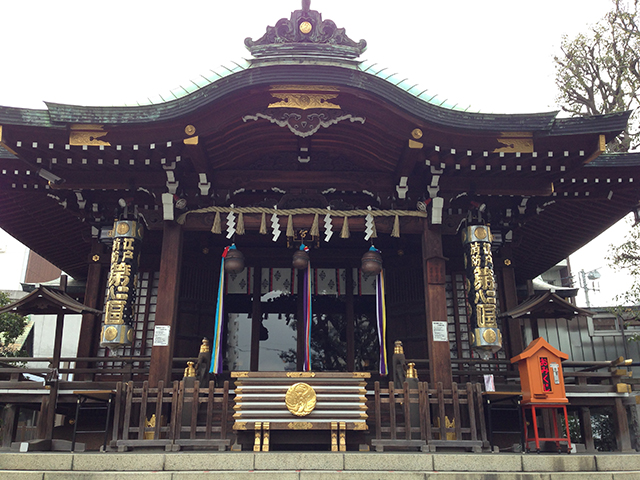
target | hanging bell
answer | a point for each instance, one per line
(234, 261)
(301, 258)
(371, 262)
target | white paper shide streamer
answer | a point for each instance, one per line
(231, 224)
(275, 226)
(368, 225)
(327, 228)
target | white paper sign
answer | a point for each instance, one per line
(440, 331)
(161, 335)
(489, 384)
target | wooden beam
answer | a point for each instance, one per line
(408, 225)
(599, 150)
(265, 180)
(496, 185)
(434, 270)
(111, 180)
(167, 306)
(231, 180)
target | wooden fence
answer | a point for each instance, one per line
(184, 414)
(429, 418)
(188, 415)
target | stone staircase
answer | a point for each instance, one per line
(141, 465)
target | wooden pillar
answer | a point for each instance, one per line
(167, 306)
(587, 430)
(621, 426)
(57, 341)
(9, 424)
(256, 319)
(350, 317)
(42, 426)
(89, 327)
(433, 264)
(510, 300)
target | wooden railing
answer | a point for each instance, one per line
(428, 418)
(172, 417)
(472, 370)
(87, 369)
(589, 385)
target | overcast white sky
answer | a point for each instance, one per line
(494, 55)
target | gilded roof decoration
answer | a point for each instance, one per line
(307, 29)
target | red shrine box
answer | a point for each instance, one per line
(541, 378)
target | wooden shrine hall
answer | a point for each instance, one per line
(359, 214)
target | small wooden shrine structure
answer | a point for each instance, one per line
(303, 145)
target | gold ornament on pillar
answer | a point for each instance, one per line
(117, 331)
(486, 338)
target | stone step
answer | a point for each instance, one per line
(310, 466)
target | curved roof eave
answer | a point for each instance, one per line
(544, 123)
(268, 75)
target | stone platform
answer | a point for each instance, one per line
(311, 466)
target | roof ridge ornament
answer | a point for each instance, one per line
(305, 34)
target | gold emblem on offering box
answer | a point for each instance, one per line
(300, 399)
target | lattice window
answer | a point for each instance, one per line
(144, 314)
(458, 319)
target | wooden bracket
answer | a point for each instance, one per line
(265, 437)
(258, 436)
(334, 436)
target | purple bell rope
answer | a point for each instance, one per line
(382, 323)
(308, 315)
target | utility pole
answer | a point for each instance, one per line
(583, 277)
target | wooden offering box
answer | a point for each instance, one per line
(300, 401)
(541, 378)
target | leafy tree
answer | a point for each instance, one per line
(626, 258)
(598, 72)
(12, 326)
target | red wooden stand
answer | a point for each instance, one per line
(536, 438)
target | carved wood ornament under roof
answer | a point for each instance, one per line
(304, 109)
